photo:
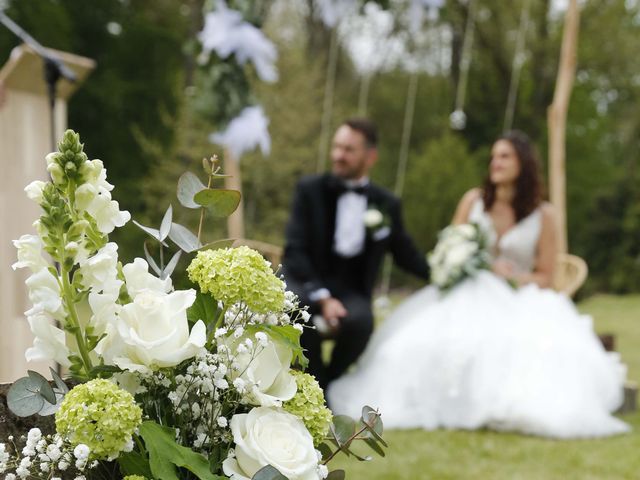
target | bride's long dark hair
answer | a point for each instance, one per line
(529, 186)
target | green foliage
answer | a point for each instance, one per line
(165, 455)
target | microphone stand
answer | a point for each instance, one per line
(54, 69)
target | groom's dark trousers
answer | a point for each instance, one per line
(311, 264)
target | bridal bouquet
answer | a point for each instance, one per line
(167, 384)
(461, 252)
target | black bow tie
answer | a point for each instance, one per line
(341, 187)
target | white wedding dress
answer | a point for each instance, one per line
(488, 355)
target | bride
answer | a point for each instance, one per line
(486, 354)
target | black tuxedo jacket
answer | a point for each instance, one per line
(309, 262)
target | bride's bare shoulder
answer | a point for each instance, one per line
(464, 206)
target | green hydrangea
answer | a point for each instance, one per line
(308, 404)
(239, 274)
(100, 415)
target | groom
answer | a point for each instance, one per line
(340, 227)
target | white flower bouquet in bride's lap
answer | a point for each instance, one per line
(461, 252)
(170, 384)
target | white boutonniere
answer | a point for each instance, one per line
(377, 224)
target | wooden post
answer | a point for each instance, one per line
(25, 139)
(557, 120)
(235, 222)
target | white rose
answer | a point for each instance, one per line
(49, 342)
(269, 370)
(154, 332)
(271, 436)
(460, 254)
(29, 253)
(467, 230)
(44, 293)
(372, 218)
(34, 190)
(138, 278)
(101, 271)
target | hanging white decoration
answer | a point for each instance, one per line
(245, 132)
(458, 119)
(332, 11)
(417, 12)
(225, 32)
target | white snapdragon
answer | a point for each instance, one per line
(44, 293)
(34, 190)
(29, 253)
(97, 202)
(49, 341)
(100, 271)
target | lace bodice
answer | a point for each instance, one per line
(518, 244)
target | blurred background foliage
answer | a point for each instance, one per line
(149, 107)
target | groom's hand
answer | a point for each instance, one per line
(332, 310)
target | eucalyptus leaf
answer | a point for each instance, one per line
(325, 450)
(45, 388)
(24, 398)
(268, 473)
(336, 475)
(188, 185)
(374, 446)
(220, 202)
(165, 226)
(48, 408)
(343, 429)
(171, 266)
(151, 231)
(152, 263)
(62, 386)
(183, 238)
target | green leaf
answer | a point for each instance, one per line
(165, 455)
(268, 473)
(288, 335)
(183, 238)
(224, 243)
(343, 428)
(165, 226)
(134, 463)
(336, 475)
(325, 450)
(220, 202)
(188, 186)
(152, 263)
(44, 387)
(204, 308)
(24, 398)
(151, 231)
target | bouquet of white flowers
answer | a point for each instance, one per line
(170, 384)
(461, 252)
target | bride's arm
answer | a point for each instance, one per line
(464, 206)
(547, 252)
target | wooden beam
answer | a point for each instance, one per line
(557, 120)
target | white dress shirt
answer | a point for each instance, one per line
(350, 232)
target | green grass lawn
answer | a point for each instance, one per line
(417, 454)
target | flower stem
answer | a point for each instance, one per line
(202, 211)
(73, 318)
